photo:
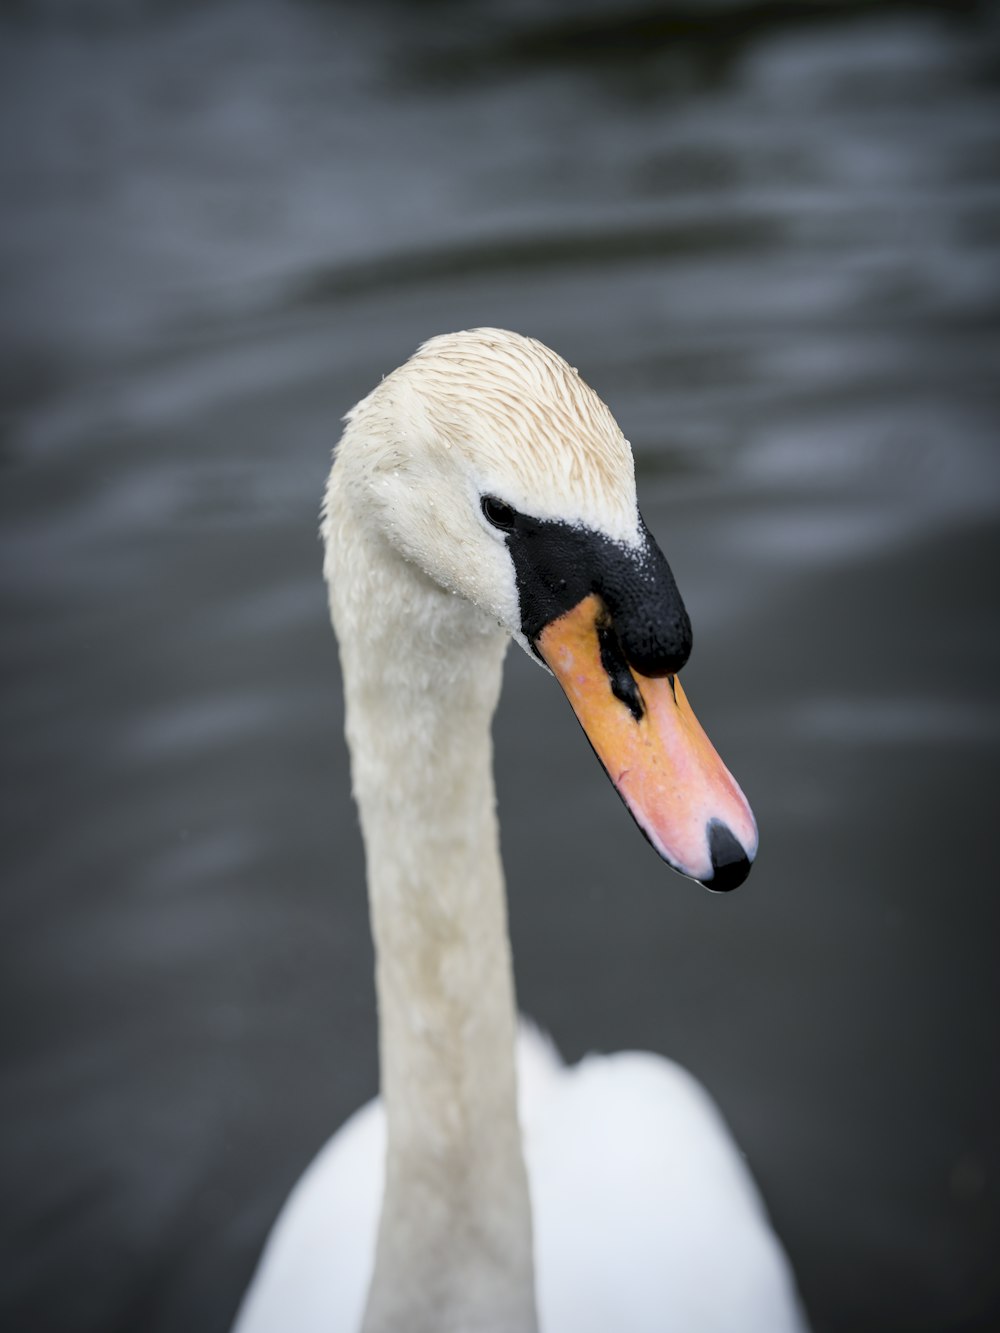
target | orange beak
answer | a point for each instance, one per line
(653, 749)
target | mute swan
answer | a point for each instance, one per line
(484, 492)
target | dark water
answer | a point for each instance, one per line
(768, 236)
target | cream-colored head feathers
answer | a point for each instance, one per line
(529, 421)
(484, 412)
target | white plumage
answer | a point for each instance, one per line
(642, 1215)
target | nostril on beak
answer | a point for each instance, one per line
(731, 865)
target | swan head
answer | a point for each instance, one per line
(488, 463)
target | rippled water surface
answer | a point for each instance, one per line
(768, 236)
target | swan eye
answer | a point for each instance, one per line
(499, 514)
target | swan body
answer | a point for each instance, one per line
(483, 492)
(645, 1216)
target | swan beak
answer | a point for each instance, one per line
(654, 750)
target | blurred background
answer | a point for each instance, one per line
(767, 233)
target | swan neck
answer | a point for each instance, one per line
(422, 681)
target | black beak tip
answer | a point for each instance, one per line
(731, 865)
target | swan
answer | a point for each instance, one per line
(481, 493)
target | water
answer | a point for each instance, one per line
(770, 242)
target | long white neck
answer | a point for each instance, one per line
(422, 678)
